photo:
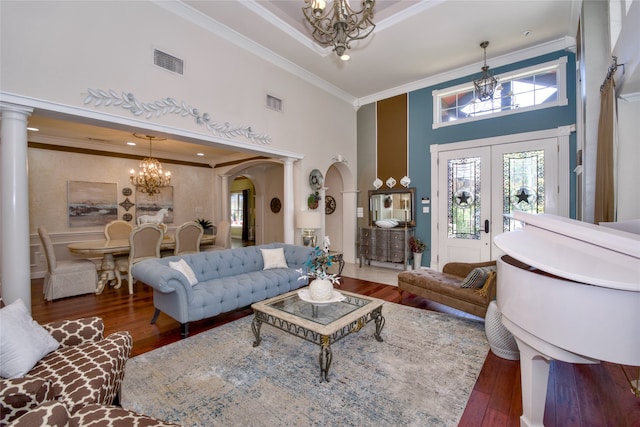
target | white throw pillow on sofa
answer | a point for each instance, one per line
(184, 268)
(274, 258)
(23, 342)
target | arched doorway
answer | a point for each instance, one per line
(334, 207)
(266, 177)
(242, 204)
(341, 223)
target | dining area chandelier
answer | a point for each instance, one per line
(150, 178)
(338, 24)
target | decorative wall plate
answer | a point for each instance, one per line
(127, 217)
(391, 182)
(315, 179)
(275, 205)
(329, 205)
(127, 204)
(405, 181)
(127, 191)
(377, 183)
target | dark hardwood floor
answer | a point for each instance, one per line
(578, 395)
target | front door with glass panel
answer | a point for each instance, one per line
(464, 177)
(482, 186)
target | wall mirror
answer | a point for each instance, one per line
(396, 203)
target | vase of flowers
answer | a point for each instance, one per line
(321, 288)
(417, 247)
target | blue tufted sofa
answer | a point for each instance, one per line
(227, 280)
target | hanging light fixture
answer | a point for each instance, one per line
(485, 85)
(338, 24)
(150, 178)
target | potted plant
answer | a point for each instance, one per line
(313, 200)
(320, 289)
(417, 247)
(206, 225)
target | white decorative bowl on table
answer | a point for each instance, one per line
(387, 223)
(305, 295)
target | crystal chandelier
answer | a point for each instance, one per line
(338, 24)
(150, 178)
(485, 85)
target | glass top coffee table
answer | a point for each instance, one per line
(320, 323)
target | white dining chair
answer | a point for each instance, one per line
(117, 229)
(188, 237)
(144, 242)
(66, 278)
(223, 237)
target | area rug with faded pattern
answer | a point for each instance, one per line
(421, 375)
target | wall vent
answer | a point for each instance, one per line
(274, 103)
(168, 62)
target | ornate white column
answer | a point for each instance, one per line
(287, 203)
(14, 213)
(224, 191)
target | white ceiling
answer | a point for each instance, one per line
(413, 41)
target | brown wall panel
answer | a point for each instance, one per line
(392, 138)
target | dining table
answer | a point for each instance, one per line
(108, 249)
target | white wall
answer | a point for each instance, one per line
(596, 54)
(273, 185)
(57, 50)
(54, 51)
(626, 32)
(628, 158)
(49, 174)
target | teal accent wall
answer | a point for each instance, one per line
(422, 135)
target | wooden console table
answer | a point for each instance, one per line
(385, 244)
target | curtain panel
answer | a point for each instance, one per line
(604, 210)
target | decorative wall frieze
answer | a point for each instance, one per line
(128, 101)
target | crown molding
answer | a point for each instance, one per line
(187, 13)
(630, 97)
(565, 43)
(406, 13)
(286, 28)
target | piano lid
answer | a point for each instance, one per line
(575, 250)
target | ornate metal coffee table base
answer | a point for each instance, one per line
(322, 335)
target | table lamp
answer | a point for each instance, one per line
(309, 222)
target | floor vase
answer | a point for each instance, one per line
(500, 339)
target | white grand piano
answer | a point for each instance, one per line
(568, 291)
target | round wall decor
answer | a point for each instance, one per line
(329, 205)
(315, 179)
(127, 217)
(276, 205)
(126, 191)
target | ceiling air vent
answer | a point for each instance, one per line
(168, 62)
(274, 103)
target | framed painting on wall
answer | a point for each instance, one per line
(150, 204)
(91, 203)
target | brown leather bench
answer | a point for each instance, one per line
(444, 287)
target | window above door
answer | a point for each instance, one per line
(525, 89)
